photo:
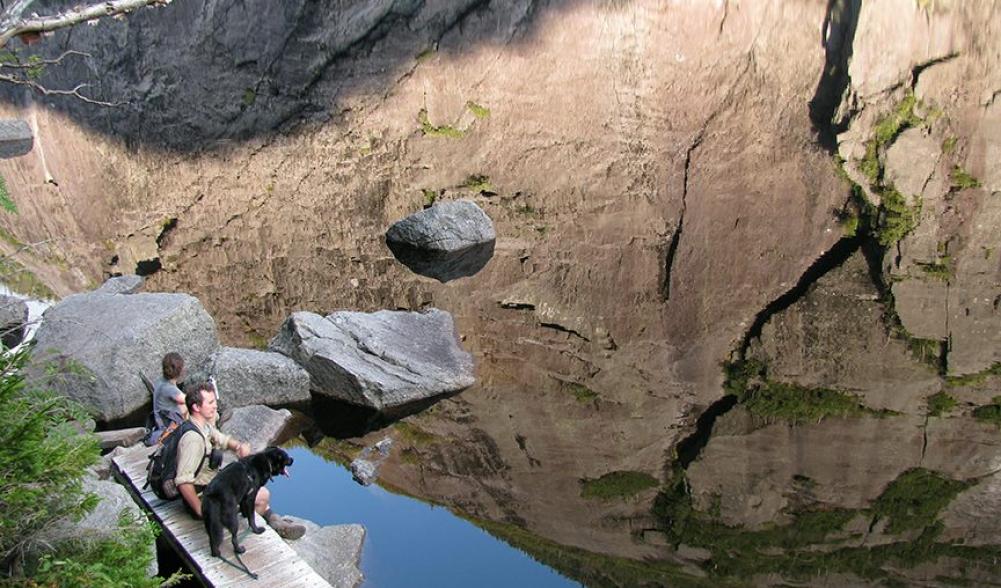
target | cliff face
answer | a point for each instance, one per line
(666, 186)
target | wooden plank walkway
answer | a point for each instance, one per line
(267, 555)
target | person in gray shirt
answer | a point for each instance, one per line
(168, 400)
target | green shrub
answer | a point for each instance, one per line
(961, 179)
(897, 218)
(617, 485)
(940, 403)
(793, 403)
(43, 457)
(989, 413)
(115, 562)
(914, 499)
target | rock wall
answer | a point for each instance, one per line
(663, 177)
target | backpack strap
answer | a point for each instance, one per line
(190, 426)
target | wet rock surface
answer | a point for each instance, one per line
(381, 360)
(450, 240)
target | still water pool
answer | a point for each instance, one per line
(408, 542)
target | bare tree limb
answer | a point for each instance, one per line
(41, 62)
(75, 92)
(12, 24)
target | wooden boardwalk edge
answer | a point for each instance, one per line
(267, 555)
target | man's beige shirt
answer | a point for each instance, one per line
(190, 450)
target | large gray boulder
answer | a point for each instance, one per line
(380, 360)
(447, 241)
(247, 376)
(92, 346)
(13, 320)
(333, 551)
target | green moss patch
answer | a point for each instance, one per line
(414, 435)
(974, 379)
(478, 110)
(989, 413)
(617, 485)
(430, 130)
(914, 499)
(793, 403)
(940, 403)
(580, 392)
(478, 183)
(961, 179)
(910, 502)
(896, 217)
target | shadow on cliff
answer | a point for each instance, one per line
(199, 73)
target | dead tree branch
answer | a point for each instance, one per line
(12, 24)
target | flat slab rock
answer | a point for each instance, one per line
(379, 360)
(447, 241)
(333, 551)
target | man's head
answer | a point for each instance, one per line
(202, 402)
(173, 365)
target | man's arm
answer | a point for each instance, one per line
(237, 447)
(191, 497)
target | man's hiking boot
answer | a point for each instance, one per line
(286, 528)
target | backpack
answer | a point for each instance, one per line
(162, 467)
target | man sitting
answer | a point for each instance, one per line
(193, 461)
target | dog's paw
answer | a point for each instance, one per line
(258, 530)
(215, 553)
(240, 549)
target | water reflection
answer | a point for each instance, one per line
(408, 542)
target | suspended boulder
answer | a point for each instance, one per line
(16, 138)
(450, 240)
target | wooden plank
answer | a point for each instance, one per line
(267, 555)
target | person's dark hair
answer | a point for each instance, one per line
(196, 396)
(173, 364)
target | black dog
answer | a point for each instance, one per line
(238, 483)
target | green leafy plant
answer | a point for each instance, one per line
(477, 110)
(940, 403)
(617, 485)
(582, 393)
(962, 179)
(914, 499)
(430, 130)
(43, 456)
(478, 183)
(989, 413)
(6, 202)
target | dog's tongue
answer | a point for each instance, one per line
(285, 472)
